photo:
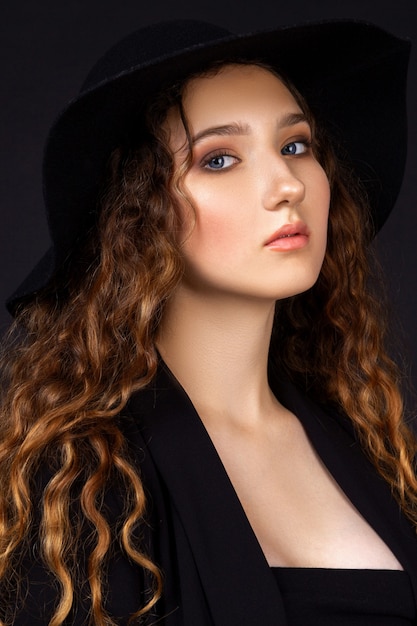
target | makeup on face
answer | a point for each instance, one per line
(259, 197)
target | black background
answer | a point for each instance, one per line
(49, 45)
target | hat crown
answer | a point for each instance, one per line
(352, 74)
(149, 44)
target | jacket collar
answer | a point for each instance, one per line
(333, 437)
(222, 541)
(235, 576)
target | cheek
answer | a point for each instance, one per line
(319, 180)
(323, 218)
(323, 215)
(211, 239)
(213, 224)
(320, 201)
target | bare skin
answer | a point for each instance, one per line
(216, 331)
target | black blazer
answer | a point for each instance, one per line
(214, 569)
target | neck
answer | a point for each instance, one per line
(217, 347)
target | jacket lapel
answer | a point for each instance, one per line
(333, 437)
(235, 576)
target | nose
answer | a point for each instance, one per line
(282, 187)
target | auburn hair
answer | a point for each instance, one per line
(80, 347)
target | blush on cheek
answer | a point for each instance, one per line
(214, 230)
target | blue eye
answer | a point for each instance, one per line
(219, 162)
(295, 147)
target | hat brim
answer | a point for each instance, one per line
(352, 74)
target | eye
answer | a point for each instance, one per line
(295, 148)
(219, 161)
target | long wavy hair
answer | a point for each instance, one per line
(82, 346)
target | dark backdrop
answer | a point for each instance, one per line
(49, 45)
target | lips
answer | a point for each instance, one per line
(298, 229)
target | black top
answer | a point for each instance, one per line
(346, 597)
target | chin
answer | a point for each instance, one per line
(296, 287)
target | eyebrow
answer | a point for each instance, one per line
(226, 129)
(290, 119)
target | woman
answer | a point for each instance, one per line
(201, 424)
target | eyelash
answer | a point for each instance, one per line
(216, 155)
(307, 143)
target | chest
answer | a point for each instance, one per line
(297, 510)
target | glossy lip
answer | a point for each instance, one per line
(298, 231)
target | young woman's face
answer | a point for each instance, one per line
(260, 199)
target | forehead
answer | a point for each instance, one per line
(235, 93)
(237, 86)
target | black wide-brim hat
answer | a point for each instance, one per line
(352, 74)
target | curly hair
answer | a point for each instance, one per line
(84, 344)
(69, 367)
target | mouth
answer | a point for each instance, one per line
(289, 231)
